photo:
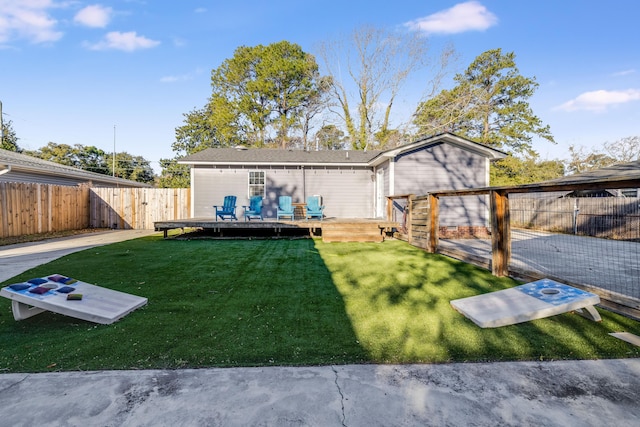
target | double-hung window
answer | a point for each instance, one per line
(256, 183)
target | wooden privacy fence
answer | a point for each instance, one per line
(137, 208)
(27, 208)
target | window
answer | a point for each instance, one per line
(256, 183)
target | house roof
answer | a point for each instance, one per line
(629, 170)
(11, 161)
(260, 156)
(243, 155)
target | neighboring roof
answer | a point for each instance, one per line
(11, 161)
(629, 170)
(260, 156)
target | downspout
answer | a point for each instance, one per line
(304, 184)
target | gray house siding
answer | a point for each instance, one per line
(211, 184)
(444, 167)
(346, 193)
(353, 184)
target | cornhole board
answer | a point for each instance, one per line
(98, 304)
(523, 303)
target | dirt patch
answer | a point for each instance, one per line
(44, 236)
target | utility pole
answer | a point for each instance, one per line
(1, 125)
(114, 151)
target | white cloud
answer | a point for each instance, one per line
(200, 10)
(28, 19)
(600, 100)
(128, 42)
(624, 73)
(181, 78)
(94, 16)
(468, 16)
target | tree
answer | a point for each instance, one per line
(265, 89)
(488, 105)
(378, 63)
(330, 137)
(514, 170)
(259, 97)
(58, 153)
(92, 159)
(173, 175)
(9, 139)
(623, 150)
(134, 168)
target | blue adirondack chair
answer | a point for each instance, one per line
(313, 208)
(228, 208)
(254, 210)
(285, 207)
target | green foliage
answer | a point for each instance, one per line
(134, 168)
(92, 159)
(488, 105)
(173, 174)
(516, 170)
(330, 137)
(9, 139)
(88, 158)
(258, 97)
(240, 303)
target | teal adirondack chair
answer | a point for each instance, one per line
(313, 208)
(228, 208)
(285, 207)
(254, 210)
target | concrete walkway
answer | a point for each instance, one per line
(15, 259)
(570, 393)
(610, 265)
(576, 393)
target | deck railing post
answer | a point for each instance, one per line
(434, 215)
(500, 233)
(409, 218)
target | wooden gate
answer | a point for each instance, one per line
(138, 208)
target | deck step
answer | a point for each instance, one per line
(352, 233)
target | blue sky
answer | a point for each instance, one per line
(72, 70)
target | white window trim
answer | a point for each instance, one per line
(250, 185)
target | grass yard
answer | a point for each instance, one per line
(287, 302)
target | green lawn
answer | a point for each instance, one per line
(286, 302)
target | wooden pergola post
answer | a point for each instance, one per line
(434, 214)
(500, 233)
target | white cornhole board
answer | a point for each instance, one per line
(98, 304)
(523, 303)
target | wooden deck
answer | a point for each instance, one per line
(330, 229)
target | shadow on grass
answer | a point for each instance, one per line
(398, 299)
(211, 303)
(287, 302)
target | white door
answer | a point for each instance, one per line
(381, 203)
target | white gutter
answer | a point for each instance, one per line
(7, 168)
